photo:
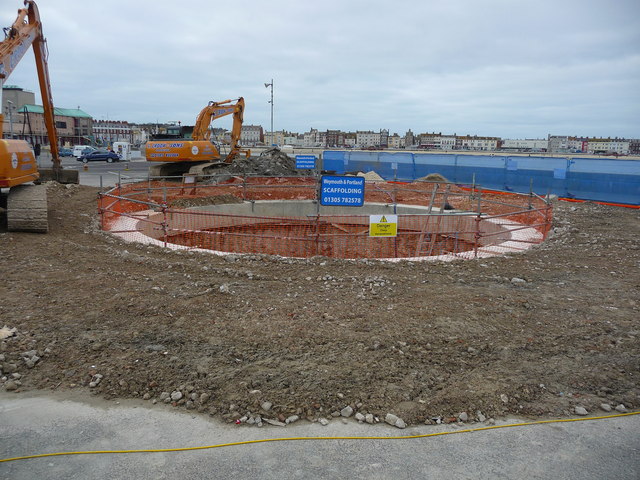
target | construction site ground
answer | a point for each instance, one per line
(534, 334)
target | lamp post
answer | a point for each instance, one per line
(10, 108)
(267, 85)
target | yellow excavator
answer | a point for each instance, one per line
(198, 155)
(26, 203)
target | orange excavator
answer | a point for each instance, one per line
(26, 203)
(198, 155)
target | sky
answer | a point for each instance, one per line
(505, 68)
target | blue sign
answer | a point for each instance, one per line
(305, 162)
(342, 191)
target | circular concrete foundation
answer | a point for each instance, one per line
(302, 228)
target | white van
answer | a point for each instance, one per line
(79, 150)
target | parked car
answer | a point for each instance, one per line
(99, 155)
(79, 150)
(66, 152)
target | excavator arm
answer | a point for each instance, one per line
(215, 110)
(25, 32)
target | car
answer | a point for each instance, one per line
(65, 152)
(107, 155)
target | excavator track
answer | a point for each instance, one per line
(27, 209)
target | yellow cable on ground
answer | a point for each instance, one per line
(286, 439)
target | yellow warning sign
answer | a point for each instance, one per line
(383, 225)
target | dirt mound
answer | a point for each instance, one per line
(536, 334)
(371, 177)
(271, 162)
(432, 177)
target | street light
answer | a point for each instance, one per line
(267, 85)
(10, 108)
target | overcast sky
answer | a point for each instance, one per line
(508, 68)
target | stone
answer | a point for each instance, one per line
(275, 423)
(346, 411)
(146, 396)
(463, 417)
(391, 419)
(164, 396)
(504, 398)
(16, 376)
(324, 421)
(189, 405)
(176, 395)
(605, 407)
(621, 408)
(266, 406)
(580, 411)
(10, 386)
(480, 416)
(291, 419)
(369, 418)
(400, 423)
(516, 280)
(204, 398)
(360, 417)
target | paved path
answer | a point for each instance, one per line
(31, 424)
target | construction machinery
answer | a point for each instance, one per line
(26, 202)
(198, 155)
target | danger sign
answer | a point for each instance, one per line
(383, 225)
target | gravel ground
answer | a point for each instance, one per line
(262, 339)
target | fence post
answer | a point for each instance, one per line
(530, 193)
(317, 234)
(101, 209)
(164, 223)
(476, 240)
(244, 187)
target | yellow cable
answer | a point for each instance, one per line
(286, 439)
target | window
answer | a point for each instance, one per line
(60, 124)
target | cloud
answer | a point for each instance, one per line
(497, 67)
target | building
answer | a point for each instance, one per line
(384, 138)
(394, 141)
(367, 139)
(525, 145)
(108, 131)
(469, 142)
(616, 146)
(251, 135)
(14, 98)
(409, 140)
(274, 138)
(73, 126)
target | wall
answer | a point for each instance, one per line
(605, 180)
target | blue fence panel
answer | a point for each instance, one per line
(615, 181)
(487, 170)
(334, 160)
(603, 180)
(543, 173)
(443, 164)
(402, 166)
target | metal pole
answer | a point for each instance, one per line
(271, 102)
(10, 108)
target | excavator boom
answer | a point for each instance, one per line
(26, 203)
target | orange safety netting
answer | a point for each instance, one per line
(455, 222)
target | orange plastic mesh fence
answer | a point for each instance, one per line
(456, 222)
